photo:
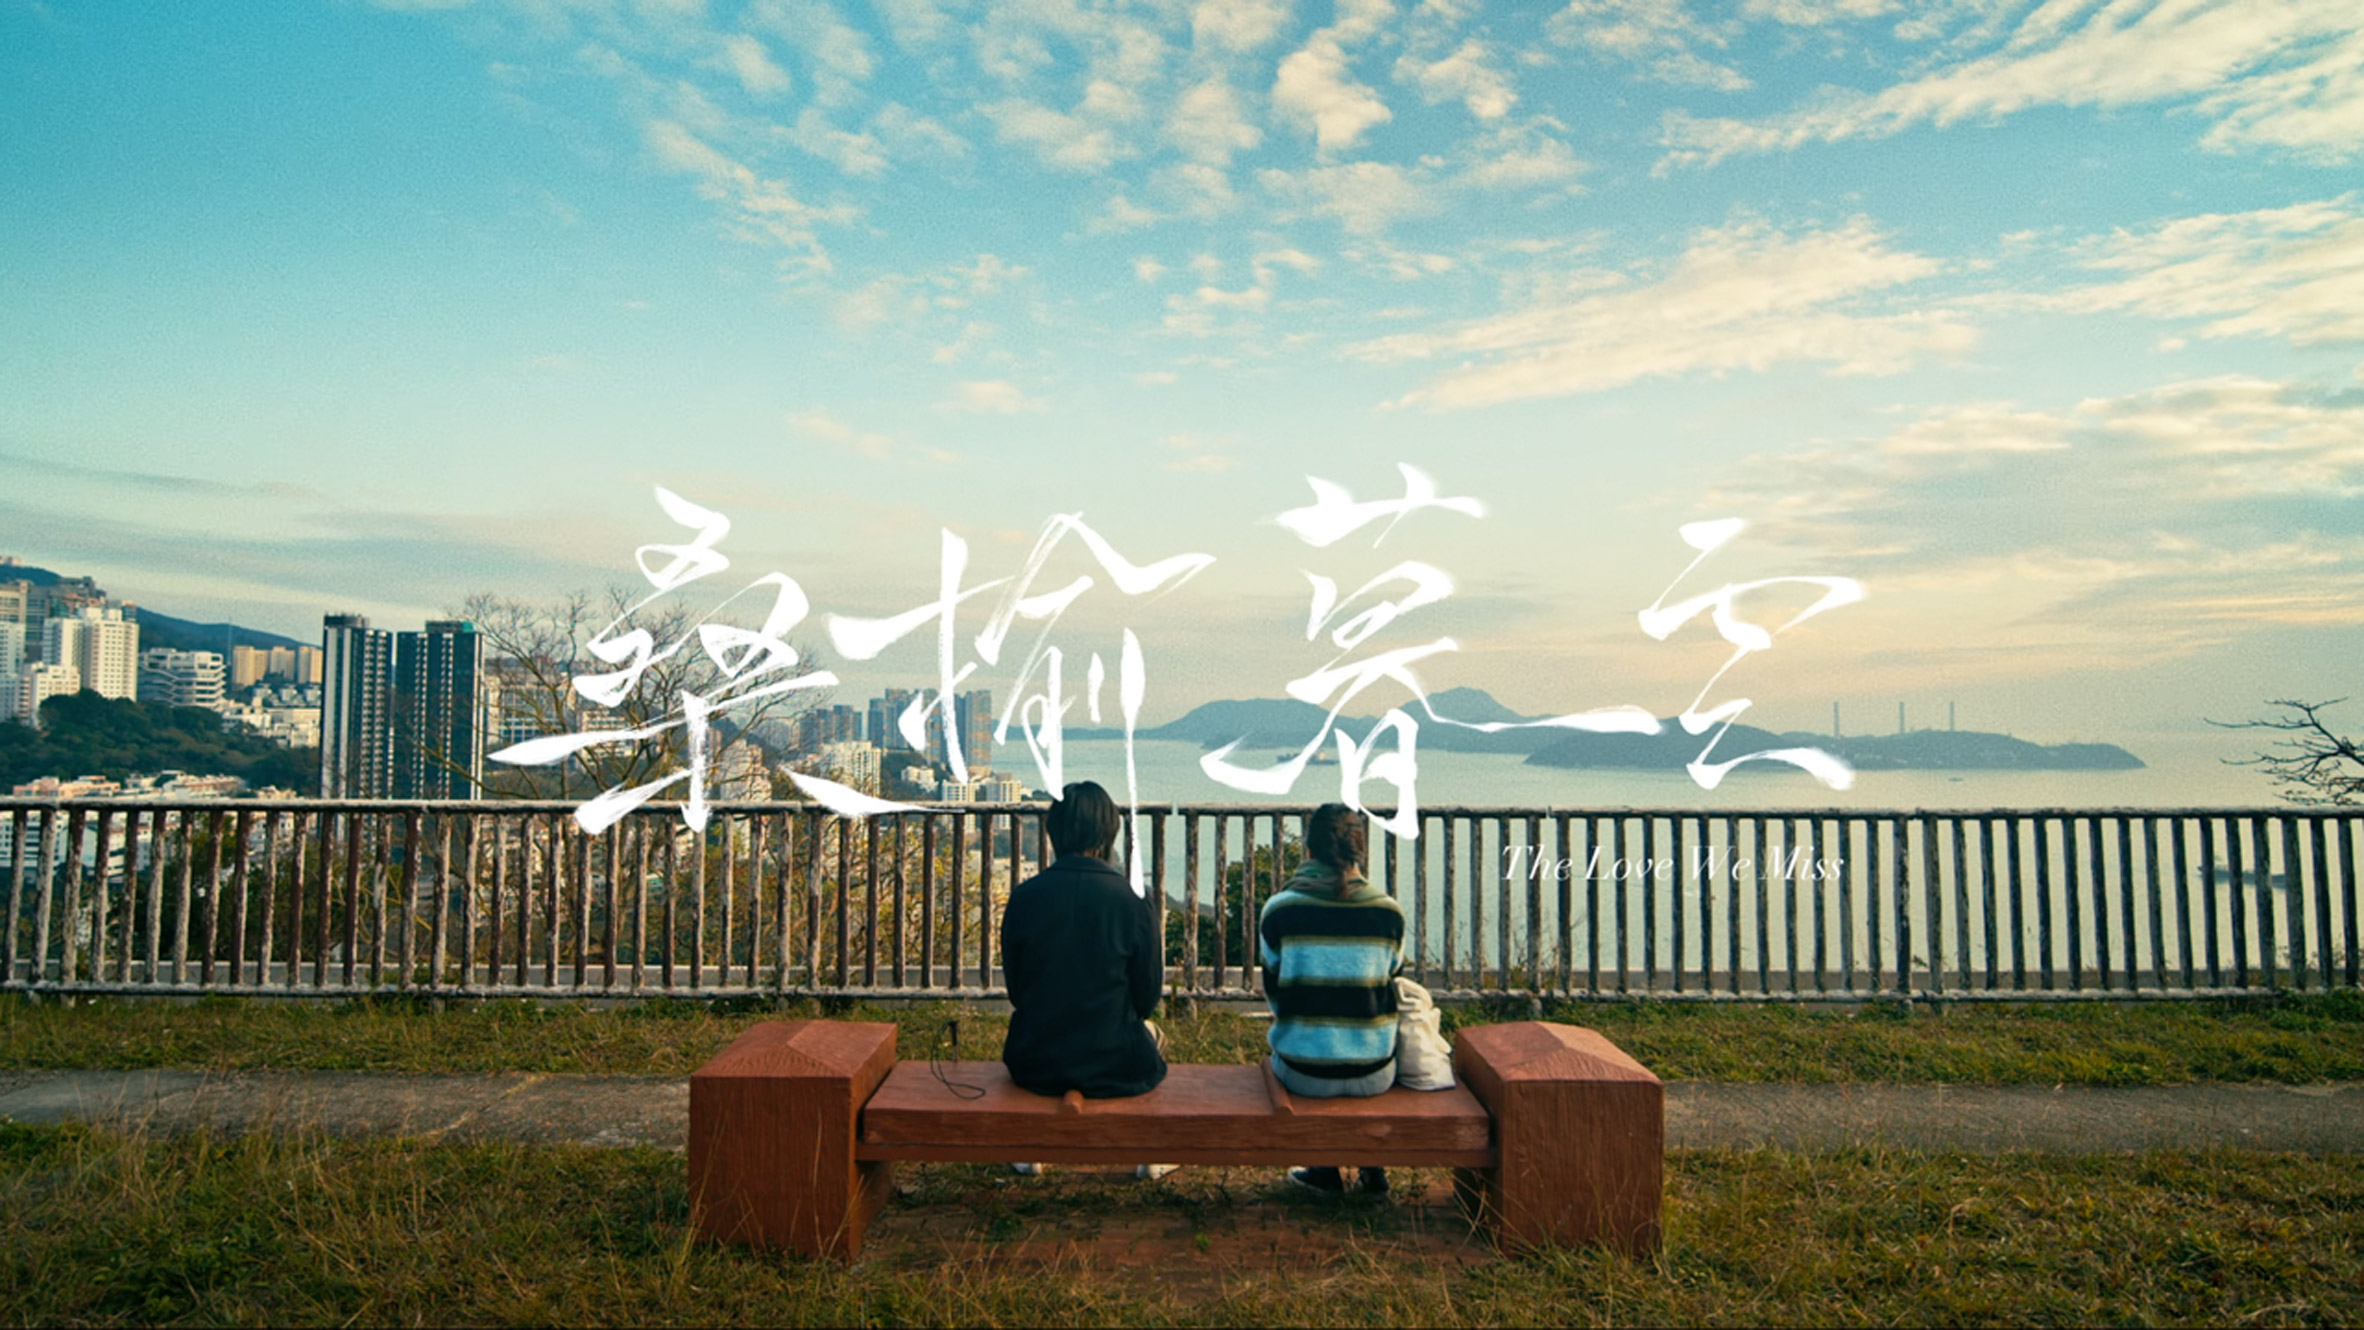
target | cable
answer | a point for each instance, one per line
(961, 1089)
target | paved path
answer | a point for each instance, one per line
(640, 1110)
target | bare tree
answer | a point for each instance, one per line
(536, 651)
(2311, 763)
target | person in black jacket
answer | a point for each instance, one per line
(1082, 959)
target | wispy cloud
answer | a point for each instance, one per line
(1660, 38)
(759, 208)
(2272, 73)
(2151, 523)
(1743, 296)
(2294, 273)
(990, 397)
(1365, 197)
(1468, 75)
(822, 425)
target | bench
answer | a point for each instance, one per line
(1556, 1135)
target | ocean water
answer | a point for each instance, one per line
(2189, 775)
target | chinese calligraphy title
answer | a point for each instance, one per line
(756, 664)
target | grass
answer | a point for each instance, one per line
(97, 1228)
(2297, 1038)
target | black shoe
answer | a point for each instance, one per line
(1324, 1179)
(1373, 1180)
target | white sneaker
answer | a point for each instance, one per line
(1027, 1170)
(1152, 1172)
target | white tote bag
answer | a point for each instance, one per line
(1423, 1060)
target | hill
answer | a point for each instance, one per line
(1289, 723)
(158, 629)
(1918, 750)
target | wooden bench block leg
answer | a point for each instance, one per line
(1581, 1130)
(771, 1136)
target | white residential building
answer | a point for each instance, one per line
(181, 678)
(36, 684)
(100, 643)
(854, 763)
(12, 664)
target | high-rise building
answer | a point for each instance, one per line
(822, 726)
(356, 709)
(99, 642)
(886, 717)
(438, 711)
(975, 714)
(181, 678)
(248, 666)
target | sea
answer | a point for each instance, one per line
(2181, 772)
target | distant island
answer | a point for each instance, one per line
(1268, 723)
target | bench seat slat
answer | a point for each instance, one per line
(1199, 1114)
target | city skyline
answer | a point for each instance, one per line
(2037, 321)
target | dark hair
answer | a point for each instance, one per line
(1083, 820)
(1334, 835)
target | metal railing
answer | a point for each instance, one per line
(317, 897)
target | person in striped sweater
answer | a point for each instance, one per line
(1331, 944)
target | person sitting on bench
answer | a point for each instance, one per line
(1082, 960)
(1331, 944)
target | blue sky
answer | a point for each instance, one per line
(2045, 322)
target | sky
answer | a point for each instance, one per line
(2042, 322)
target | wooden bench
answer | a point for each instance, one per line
(1558, 1137)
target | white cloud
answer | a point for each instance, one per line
(879, 303)
(911, 134)
(1816, 13)
(749, 63)
(855, 154)
(759, 208)
(1237, 26)
(1156, 377)
(2281, 73)
(2135, 526)
(1659, 37)
(1209, 124)
(985, 275)
(1401, 264)
(2294, 273)
(1147, 269)
(1198, 455)
(1521, 156)
(1120, 214)
(821, 425)
(841, 59)
(1466, 75)
(1365, 197)
(990, 397)
(972, 335)
(1315, 89)
(1741, 297)
(917, 24)
(1268, 263)
(1194, 189)
(1066, 142)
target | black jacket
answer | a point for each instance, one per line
(1082, 957)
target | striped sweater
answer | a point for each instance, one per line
(1329, 969)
